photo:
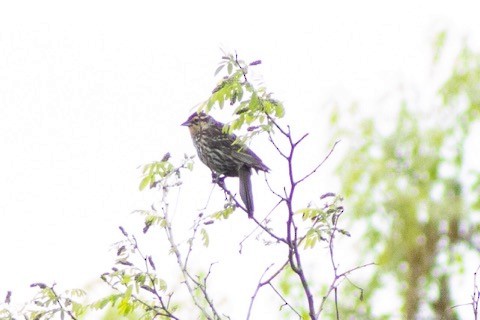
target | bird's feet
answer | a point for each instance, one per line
(218, 179)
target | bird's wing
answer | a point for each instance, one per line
(250, 158)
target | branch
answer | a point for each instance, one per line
(268, 281)
(285, 301)
(282, 198)
(276, 146)
(300, 140)
(183, 268)
(152, 289)
(57, 298)
(337, 277)
(162, 309)
(239, 205)
(260, 225)
(256, 291)
(294, 257)
(475, 297)
(320, 164)
(476, 294)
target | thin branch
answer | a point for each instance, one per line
(186, 274)
(252, 299)
(300, 140)
(203, 288)
(260, 225)
(190, 241)
(336, 303)
(475, 297)
(338, 277)
(282, 198)
(294, 257)
(239, 205)
(265, 282)
(476, 294)
(153, 289)
(57, 298)
(285, 133)
(268, 231)
(270, 138)
(320, 164)
(152, 279)
(284, 301)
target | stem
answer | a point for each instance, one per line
(183, 268)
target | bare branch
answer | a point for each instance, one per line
(57, 298)
(260, 225)
(476, 294)
(320, 164)
(285, 301)
(282, 198)
(270, 138)
(183, 267)
(252, 299)
(475, 297)
(338, 277)
(239, 205)
(300, 140)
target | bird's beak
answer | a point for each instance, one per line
(186, 123)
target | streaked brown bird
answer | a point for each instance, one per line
(217, 151)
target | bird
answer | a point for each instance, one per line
(216, 149)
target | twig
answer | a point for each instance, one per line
(153, 289)
(57, 298)
(282, 198)
(265, 282)
(476, 294)
(152, 280)
(294, 254)
(284, 301)
(186, 274)
(320, 164)
(276, 147)
(337, 277)
(259, 226)
(336, 302)
(252, 299)
(203, 289)
(239, 205)
(300, 140)
(190, 241)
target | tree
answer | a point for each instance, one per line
(139, 287)
(407, 187)
(415, 192)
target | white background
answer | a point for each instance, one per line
(91, 90)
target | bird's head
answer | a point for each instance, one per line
(198, 122)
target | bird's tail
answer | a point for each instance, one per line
(246, 189)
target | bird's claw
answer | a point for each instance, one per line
(217, 179)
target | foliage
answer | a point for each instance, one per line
(49, 304)
(140, 290)
(410, 187)
(406, 187)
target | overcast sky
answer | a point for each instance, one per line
(90, 90)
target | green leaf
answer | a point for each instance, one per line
(220, 67)
(162, 284)
(438, 45)
(205, 238)
(145, 182)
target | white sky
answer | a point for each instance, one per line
(90, 90)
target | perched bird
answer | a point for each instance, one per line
(217, 151)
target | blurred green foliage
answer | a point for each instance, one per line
(410, 186)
